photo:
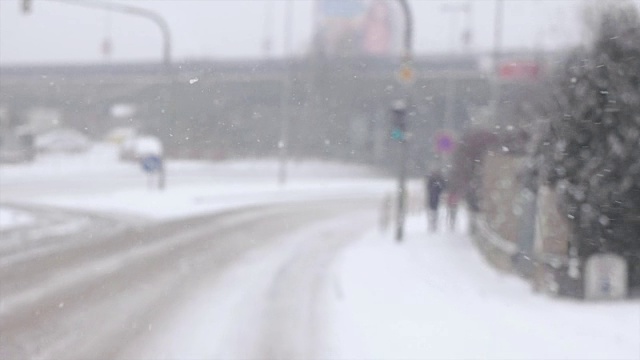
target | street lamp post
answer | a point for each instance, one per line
(166, 49)
(408, 29)
(400, 109)
(283, 143)
(135, 11)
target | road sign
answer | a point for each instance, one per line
(406, 75)
(151, 163)
(445, 143)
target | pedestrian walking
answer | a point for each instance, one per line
(434, 186)
(453, 198)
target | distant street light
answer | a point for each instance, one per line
(464, 8)
(26, 6)
(135, 11)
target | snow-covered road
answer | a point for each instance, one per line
(107, 298)
(269, 304)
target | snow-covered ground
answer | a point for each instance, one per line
(431, 296)
(434, 297)
(100, 166)
(97, 181)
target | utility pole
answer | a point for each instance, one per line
(497, 48)
(454, 9)
(400, 112)
(283, 143)
(268, 23)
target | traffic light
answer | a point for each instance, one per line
(398, 121)
(26, 6)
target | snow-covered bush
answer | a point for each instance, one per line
(590, 150)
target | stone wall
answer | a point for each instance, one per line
(555, 272)
(498, 224)
(499, 195)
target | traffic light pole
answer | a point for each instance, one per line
(402, 191)
(400, 113)
(400, 134)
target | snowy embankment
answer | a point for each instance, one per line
(434, 297)
(97, 181)
(11, 218)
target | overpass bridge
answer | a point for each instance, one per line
(339, 108)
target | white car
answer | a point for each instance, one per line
(62, 140)
(137, 148)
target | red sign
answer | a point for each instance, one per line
(519, 70)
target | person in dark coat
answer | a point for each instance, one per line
(435, 185)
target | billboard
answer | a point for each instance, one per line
(519, 70)
(357, 27)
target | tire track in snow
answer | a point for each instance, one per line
(104, 295)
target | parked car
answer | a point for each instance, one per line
(137, 148)
(16, 147)
(62, 140)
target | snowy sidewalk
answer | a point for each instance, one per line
(434, 296)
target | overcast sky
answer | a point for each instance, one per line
(205, 29)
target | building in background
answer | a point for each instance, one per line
(354, 28)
